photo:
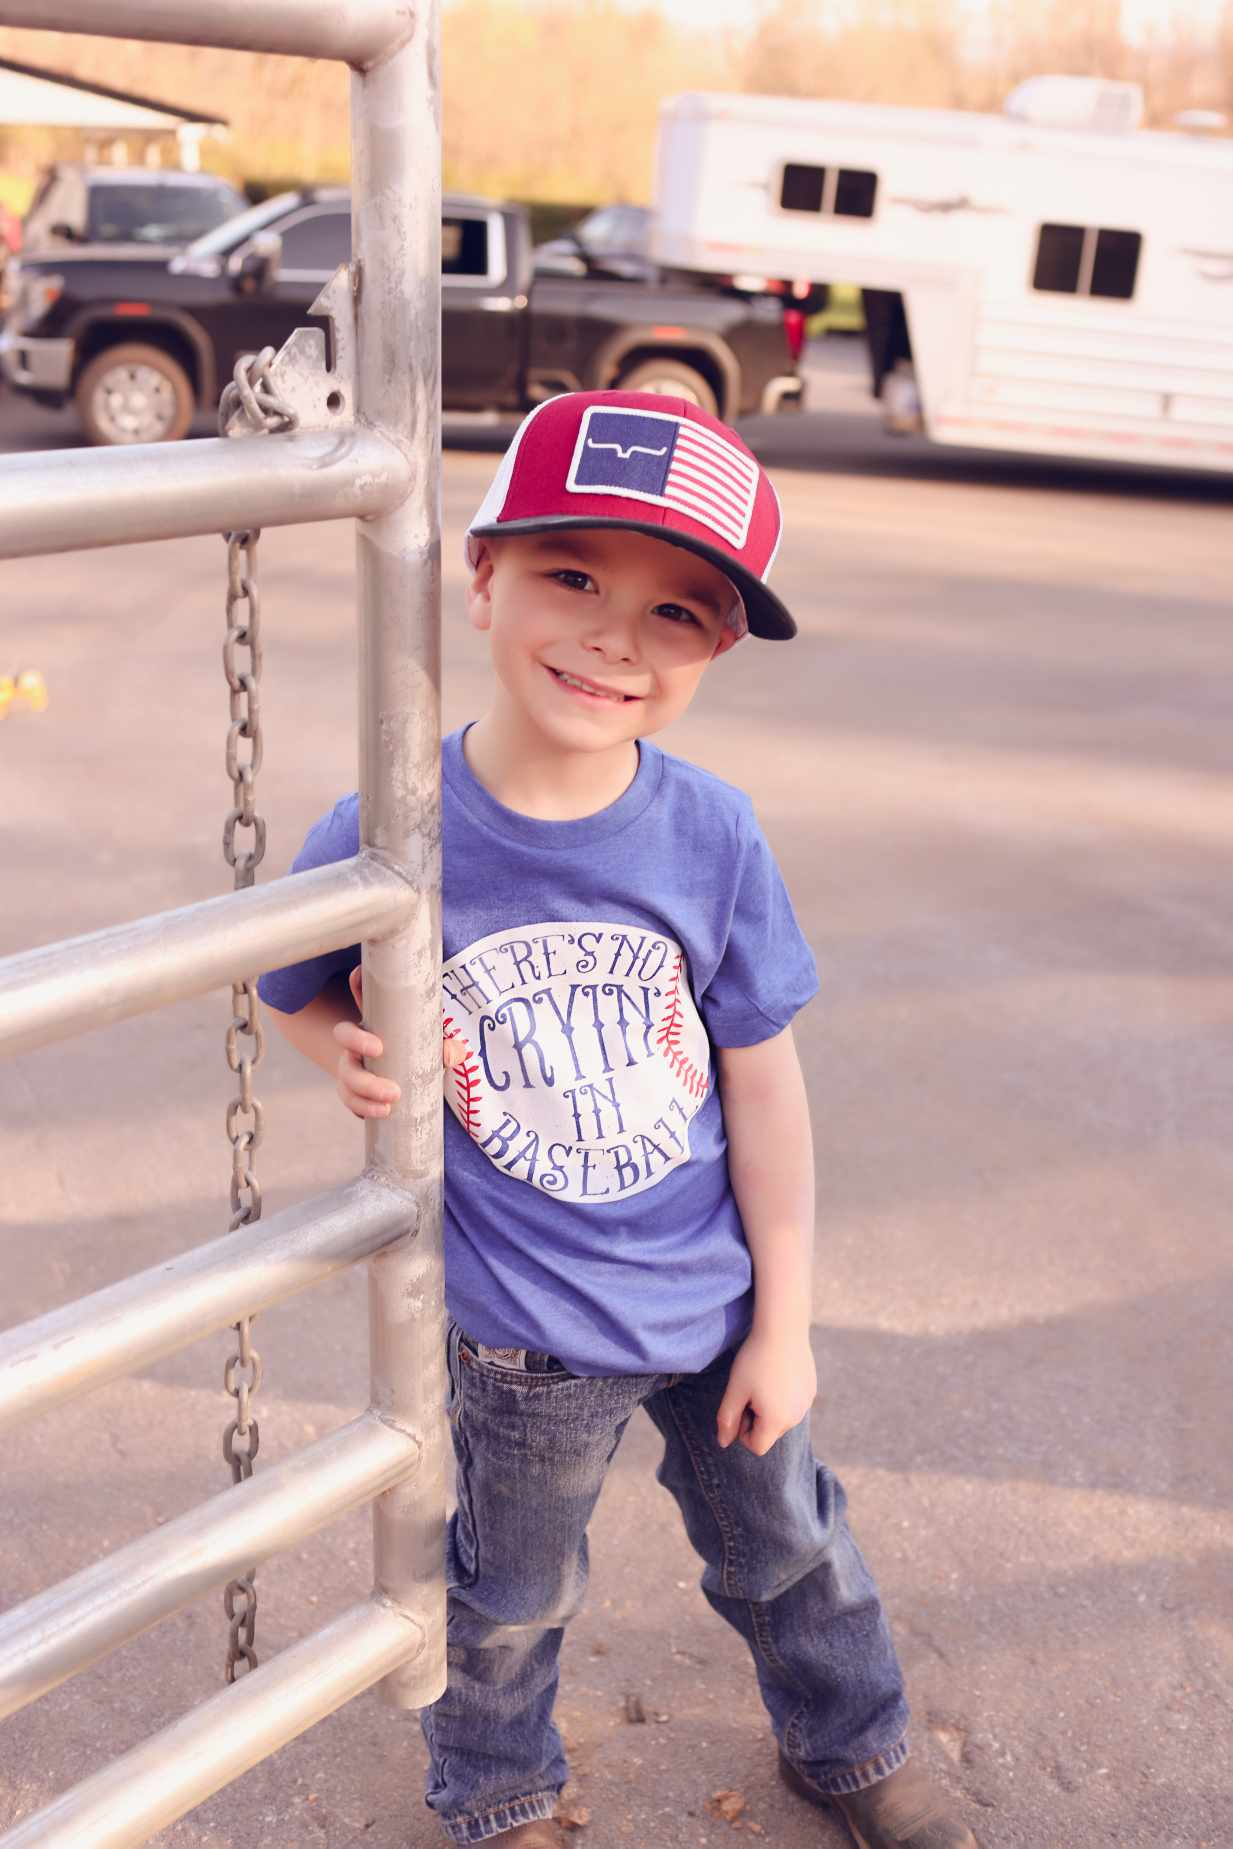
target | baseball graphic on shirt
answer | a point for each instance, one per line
(585, 1056)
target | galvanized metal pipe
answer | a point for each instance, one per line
(396, 231)
(72, 1625)
(355, 31)
(139, 1320)
(84, 982)
(129, 1800)
(64, 500)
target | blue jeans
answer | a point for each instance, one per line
(533, 1445)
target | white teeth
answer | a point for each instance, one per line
(571, 680)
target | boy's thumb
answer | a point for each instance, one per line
(728, 1419)
(356, 980)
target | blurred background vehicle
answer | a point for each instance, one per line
(140, 341)
(77, 204)
(612, 238)
(617, 240)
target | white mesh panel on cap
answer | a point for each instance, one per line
(492, 503)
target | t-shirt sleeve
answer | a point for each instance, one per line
(767, 971)
(335, 836)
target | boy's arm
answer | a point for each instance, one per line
(770, 1160)
(328, 1031)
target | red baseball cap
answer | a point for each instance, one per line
(654, 464)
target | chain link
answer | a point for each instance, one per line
(242, 1374)
(250, 391)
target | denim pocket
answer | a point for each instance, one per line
(523, 1380)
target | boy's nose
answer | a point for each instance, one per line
(614, 636)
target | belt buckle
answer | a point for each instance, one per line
(503, 1357)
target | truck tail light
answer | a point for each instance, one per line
(794, 328)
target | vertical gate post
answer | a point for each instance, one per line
(396, 234)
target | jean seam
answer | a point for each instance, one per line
(760, 1624)
(710, 1490)
(463, 1465)
(759, 1609)
(479, 1827)
(858, 1778)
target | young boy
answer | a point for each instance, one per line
(628, 1172)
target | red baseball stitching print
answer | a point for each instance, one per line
(466, 1082)
(668, 1040)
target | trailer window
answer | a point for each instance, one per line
(841, 192)
(1084, 260)
(855, 192)
(803, 188)
(1116, 263)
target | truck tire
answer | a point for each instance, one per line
(674, 379)
(134, 394)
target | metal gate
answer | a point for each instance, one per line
(364, 444)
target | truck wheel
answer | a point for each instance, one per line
(134, 394)
(673, 379)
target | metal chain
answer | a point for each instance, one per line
(250, 391)
(242, 1374)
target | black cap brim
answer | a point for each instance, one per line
(764, 613)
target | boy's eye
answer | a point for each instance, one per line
(573, 580)
(677, 613)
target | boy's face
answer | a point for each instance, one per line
(599, 637)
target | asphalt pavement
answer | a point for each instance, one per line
(995, 766)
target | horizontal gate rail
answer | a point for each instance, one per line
(65, 500)
(157, 1782)
(358, 32)
(137, 1321)
(72, 1625)
(85, 982)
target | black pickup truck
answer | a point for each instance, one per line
(141, 343)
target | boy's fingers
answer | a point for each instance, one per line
(358, 1040)
(730, 1418)
(759, 1437)
(356, 982)
(362, 1107)
(453, 1053)
(364, 1084)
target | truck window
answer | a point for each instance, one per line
(838, 192)
(464, 246)
(316, 243)
(1085, 260)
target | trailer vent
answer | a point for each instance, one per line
(836, 192)
(1077, 102)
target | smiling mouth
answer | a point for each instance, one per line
(588, 690)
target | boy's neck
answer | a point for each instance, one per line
(533, 776)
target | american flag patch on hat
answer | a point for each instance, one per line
(668, 461)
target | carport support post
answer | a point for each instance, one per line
(396, 241)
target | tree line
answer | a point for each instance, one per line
(558, 99)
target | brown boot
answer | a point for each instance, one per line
(529, 1836)
(902, 1811)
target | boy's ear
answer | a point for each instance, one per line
(728, 638)
(479, 589)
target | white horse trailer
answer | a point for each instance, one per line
(1054, 279)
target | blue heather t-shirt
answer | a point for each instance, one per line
(590, 968)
